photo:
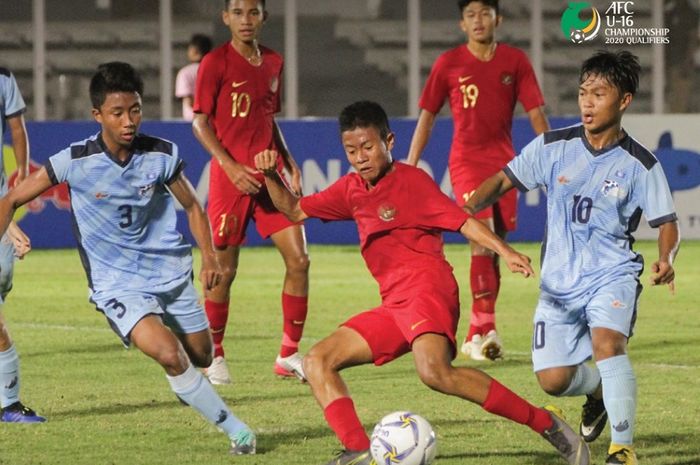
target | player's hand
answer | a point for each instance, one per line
(663, 273)
(20, 241)
(266, 162)
(519, 263)
(211, 274)
(243, 177)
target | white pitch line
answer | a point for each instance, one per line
(58, 327)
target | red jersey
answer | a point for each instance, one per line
(240, 99)
(400, 223)
(482, 98)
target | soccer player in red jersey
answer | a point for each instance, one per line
(400, 215)
(236, 96)
(482, 81)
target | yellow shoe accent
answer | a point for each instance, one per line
(621, 454)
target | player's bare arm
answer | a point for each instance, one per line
(240, 175)
(20, 241)
(421, 135)
(538, 120)
(284, 200)
(488, 192)
(20, 145)
(34, 185)
(182, 190)
(669, 243)
(475, 230)
(289, 163)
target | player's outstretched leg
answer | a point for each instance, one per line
(433, 352)
(620, 396)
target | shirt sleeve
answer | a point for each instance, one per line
(58, 166)
(173, 166)
(529, 93)
(528, 170)
(14, 104)
(207, 84)
(435, 91)
(330, 204)
(654, 196)
(435, 210)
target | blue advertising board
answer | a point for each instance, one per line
(316, 147)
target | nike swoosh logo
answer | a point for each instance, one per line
(482, 294)
(235, 84)
(298, 322)
(464, 79)
(415, 325)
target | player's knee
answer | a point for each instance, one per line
(228, 274)
(435, 376)
(172, 359)
(298, 264)
(202, 359)
(553, 385)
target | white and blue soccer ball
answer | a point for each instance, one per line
(577, 36)
(403, 438)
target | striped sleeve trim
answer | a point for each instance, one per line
(180, 168)
(51, 173)
(514, 179)
(656, 222)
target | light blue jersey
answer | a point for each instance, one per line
(595, 200)
(11, 104)
(124, 216)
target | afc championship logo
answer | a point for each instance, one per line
(577, 29)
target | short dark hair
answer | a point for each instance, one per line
(364, 114)
(201, 42)
(228, 2)
(621, 69)
(462, 4)
(111, 77)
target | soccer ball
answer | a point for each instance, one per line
(577, 36)
(403, 438)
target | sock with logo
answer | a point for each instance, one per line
(619, 396)
(217, 314)
(585, 381)
(9, 377)
(503, 402)
(196, 391)
(343, 420)
(484, 282)
(294, 309)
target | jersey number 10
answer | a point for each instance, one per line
(581, 211)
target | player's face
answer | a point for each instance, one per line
(368, 153)
(479, 22)
(120, 117)
(245, 19)
(601, 104)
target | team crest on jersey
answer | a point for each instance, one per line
(612, 189)
(274, 84)
(386, 212)
(506, 79)
(146, 190)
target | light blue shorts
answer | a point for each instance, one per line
(562, 335)
(179, 308)
(7, 264)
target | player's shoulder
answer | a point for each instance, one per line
(451, 55)
(411, 173)
(215, 57)
(153, 145)
(86, 147)
(639, 152)
(5, 72)
(563, 134)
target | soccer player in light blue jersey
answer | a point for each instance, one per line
(599, 182)
(14, 243)
(139, 268)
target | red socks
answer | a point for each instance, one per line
(505, 403)
(342, 418)
(217, 314)
(485, 281)
(294, 311)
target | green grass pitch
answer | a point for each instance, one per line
(107, 405)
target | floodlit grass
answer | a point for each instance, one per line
(107, 405)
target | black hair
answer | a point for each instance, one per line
(228, 2)
(621, 69)
(364, 114)
(111, 77)
(201, 42)
(462, 4)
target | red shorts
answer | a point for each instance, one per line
(504, 212)
(230, 210)
(390, 329)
